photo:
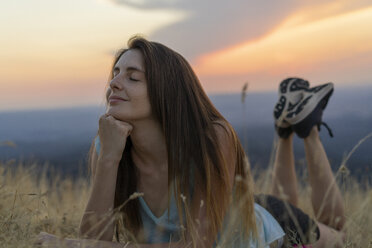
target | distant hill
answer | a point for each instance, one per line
(63, 136)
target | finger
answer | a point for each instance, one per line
(128, 126)
(45, 234)
(105, 117)
(130, 129)
(102, 118)
(36, 241)
(109, 117)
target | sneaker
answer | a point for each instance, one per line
(290, 93)
(307, 112)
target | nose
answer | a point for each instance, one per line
(114, 84)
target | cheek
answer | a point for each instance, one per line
(142, 104)
(146, 103)
(140, 97)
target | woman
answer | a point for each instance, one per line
(161, 136)
(178, 143)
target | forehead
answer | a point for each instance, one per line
(131, 58)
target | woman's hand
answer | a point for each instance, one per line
(113, 135)
(52, 241)
(45, 240)
(49, 240)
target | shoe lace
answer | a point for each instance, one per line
(328, 128)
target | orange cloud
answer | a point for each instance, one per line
(294, 48)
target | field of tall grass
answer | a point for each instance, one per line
(30, 203)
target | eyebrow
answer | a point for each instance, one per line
(130, 68)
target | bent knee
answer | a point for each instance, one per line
(328, 237)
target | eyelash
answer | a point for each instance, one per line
(130, 78)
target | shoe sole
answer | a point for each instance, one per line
(278, 112)
(314, 100)
(286, 87)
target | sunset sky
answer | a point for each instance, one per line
(58, 53)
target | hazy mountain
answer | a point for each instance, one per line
(63, 136)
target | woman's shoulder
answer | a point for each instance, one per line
(222, 129)
(221, 123)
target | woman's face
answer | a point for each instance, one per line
(129, 84)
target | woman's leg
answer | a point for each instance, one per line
(326, 197)
(284, 184)
(328, 237)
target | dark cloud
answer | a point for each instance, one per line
(213, 25)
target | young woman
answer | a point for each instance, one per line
(169, 171)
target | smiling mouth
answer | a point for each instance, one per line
(113, 100)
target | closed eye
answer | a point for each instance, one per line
(133, 79)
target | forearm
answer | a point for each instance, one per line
(88, 243)
(162, 245)
(97, 222)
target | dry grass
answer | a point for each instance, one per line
(29, 205)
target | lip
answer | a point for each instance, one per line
(116, 98)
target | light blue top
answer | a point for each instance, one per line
(165, 229)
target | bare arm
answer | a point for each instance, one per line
(225, 143)
(52, 241)
(97, 221)
(89, 243)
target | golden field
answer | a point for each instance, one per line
(30, 204)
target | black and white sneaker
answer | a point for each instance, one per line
(308, 112)
(290, 93)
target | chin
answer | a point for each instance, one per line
(127, 115)
(116, 114)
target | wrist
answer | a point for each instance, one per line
(109, 158)
(107, 167)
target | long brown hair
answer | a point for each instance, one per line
(187, 117)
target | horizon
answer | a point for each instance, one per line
(342, 88)
(51, 134)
